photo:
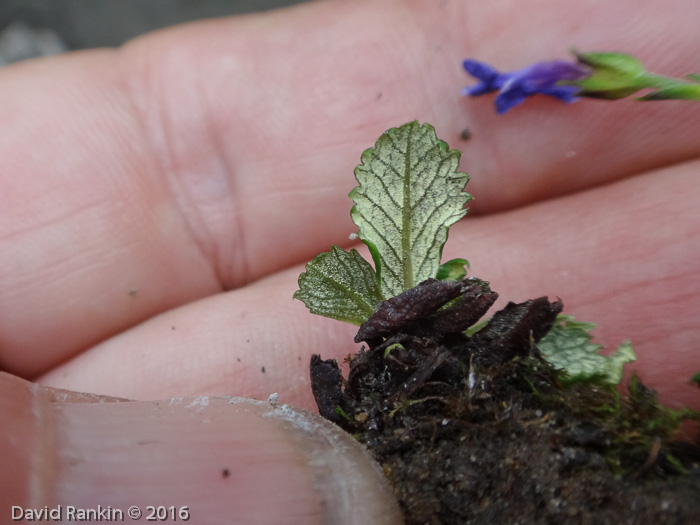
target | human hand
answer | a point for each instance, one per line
(198, 459)
(159, 202)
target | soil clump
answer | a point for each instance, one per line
(480, 428)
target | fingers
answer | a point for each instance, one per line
(248, 342)
(223, 460)
(90, 241)
(623, 256)
(206, 157)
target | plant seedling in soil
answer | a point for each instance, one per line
(515, 419)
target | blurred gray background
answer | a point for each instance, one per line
(31, 28)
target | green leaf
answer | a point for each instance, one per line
(680, 91)
(340, 285)
(452, 270)
(409, 193)
(568, 346)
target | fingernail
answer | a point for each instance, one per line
(353, 489)
(211, 460)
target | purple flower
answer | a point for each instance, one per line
(515, 86)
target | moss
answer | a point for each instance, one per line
(479, 428)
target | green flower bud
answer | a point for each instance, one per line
(615, 75)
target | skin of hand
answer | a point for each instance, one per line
(159, 201)
(217, 459)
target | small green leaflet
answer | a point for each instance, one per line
(409, 194)
(568, 346)
(340, 285)
(452, 270)
(677, 92)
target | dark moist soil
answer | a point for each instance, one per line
(480, 429)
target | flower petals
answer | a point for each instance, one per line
(515, 86)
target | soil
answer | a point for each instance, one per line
(481, 429)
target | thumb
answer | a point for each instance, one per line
(209, 459)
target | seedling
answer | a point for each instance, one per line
(410, 192)
(443, 400)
